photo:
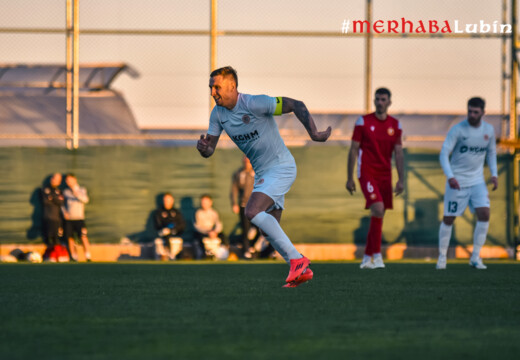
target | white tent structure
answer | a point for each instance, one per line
(33, 102)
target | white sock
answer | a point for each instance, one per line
(268, 224)
(87, 255)
(444, 238)
(378, 256)
(479, 238)
(367, 258)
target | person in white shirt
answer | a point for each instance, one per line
(208, 226)
(470, 143)
(74, 214)
(249, 122)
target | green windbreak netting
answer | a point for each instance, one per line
(123, 183)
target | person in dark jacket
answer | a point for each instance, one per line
(52, 200)
(169, 224)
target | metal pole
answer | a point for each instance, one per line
(213, 45)
(504, 75)
(514, 76)
(213, 36)
(368, 58)
(516, 203)
(513, 120)
(75, 75)
(68, 79)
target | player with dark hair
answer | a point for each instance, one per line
(470, 142)
(376, 136)
(249, 122)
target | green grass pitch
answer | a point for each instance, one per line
(240, 311)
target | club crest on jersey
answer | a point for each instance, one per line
(486, 137)
(246, 119)
(260, 182)
(391, 131)
(372, 128)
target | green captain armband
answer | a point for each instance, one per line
(278, 110)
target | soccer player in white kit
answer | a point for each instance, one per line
(249, 122)
(470, 142)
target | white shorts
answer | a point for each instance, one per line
(456, 201)
(275, 183)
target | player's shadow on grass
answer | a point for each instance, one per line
(422, 233)
(35, 230)
(191, 248)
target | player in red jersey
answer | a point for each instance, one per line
(376, 136)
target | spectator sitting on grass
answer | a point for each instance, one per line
(208, 227)
(170, 225)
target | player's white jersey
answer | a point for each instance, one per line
(251, 126)
(469, 147)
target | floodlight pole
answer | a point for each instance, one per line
(503, 88)
(68, 79)
(213, 44)
(513, 113)
(368, 57)
(75, 80)
(513, 129)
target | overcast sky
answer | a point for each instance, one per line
(429, 75)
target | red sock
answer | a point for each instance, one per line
(374, 236)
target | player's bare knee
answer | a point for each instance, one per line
(377, 210)
(378, 213)
(483, 218)
(483, 214)
(448, 220)
(250, 212)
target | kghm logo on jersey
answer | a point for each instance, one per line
(391, 131)
(252, 136)
(246, 119)
(472, 149)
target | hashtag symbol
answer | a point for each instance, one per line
(345, 26)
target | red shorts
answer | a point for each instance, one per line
(377, 190)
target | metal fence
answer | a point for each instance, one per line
(174, 45)
(168, 43)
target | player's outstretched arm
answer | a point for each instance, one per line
(352, 157)
(300, 110)
(206, 145)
